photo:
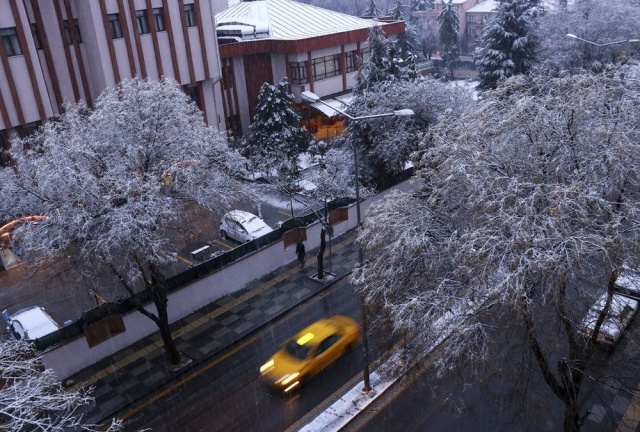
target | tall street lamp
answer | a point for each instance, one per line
(311, 97)
(572, 36)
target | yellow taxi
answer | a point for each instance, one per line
(310, 351)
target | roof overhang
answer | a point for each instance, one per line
(340, 102)
(261, 46)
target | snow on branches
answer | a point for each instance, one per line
(31, 398)
(530, 202)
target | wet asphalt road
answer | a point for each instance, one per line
(227, 393)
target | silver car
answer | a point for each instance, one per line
(242, 226)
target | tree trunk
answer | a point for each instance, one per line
(160, 301)
(165, 330)
(571, 417)
(154, 285)
(323, 246)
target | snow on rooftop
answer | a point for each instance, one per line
(484, 7)
(290, 20)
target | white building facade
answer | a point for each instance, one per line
(57, 51)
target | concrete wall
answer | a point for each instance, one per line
(76, 355)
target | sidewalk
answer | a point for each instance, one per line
(139, 370)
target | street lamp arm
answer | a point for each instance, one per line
(314, 98)
(572, 36)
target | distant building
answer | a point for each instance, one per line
(476, 19)
(473, 16)
(263, 41)
(54, 51)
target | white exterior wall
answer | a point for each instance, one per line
(18, 66)
(328, 86)
(278, 66)
(96, 57)
(241, 91)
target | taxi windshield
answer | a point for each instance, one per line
(296, 350)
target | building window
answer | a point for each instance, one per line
(10, 41)
(77, 28)
(366, 53)
(29, 129)
(351, 61)
(192, 91)
(158, 18)
(299, 72)
(114, 24)
(326, 67)
(36, 37)
(227, 75)
(67, 32)
(190, 15)
(143, 24)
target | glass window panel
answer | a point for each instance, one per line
(143, 24)
(158, 18)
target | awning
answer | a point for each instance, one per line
(340, 102)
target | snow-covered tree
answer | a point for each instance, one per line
(31, 397)
(371, 11)
(420, 5)
(275, 137)
(386, 144)
(529, 209)
(428, 40)
(508, 42)
(448, 34)
(333, 178)
(111, 181)
(598, 21)
(373, 71)
(408, 41)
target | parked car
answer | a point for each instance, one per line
(242, 226)
(628, 282)
(621, 312)
(310, 351)
(30, 324)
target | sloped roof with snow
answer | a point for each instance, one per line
(287, 20)
(485, 6)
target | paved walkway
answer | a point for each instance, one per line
(141, 369)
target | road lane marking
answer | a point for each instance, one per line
(288, 214)
(223, 244)
(185, 260)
